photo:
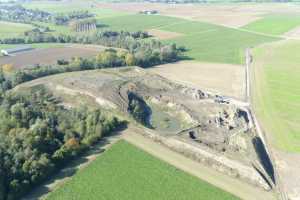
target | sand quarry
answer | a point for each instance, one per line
(185, 119)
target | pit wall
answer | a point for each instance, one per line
(217, 162)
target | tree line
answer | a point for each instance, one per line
(38, 136)
(143, 53)
(17, 13)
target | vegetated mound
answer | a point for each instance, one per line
(188, 120)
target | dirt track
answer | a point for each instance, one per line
(234, 186)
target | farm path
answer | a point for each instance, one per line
(66, 173)
(229, 184)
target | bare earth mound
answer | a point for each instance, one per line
(163, 35)
(219, 78)
(49, 55)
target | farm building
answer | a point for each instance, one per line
(149, 12)
(7, 52)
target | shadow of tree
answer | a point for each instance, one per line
(72, 167)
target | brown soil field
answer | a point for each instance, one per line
(220, 78)
(163, 35)
(227, 15)
(49, 55)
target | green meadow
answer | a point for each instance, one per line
(9, 29)
(277, 92)
(128, 173)
(275, 24)
(205, 42)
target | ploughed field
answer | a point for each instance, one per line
(126, 172)
(203, 75)
(47, 56)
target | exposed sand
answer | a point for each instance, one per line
(163, 35)
(225, 79)
(232, 185)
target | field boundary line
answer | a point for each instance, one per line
(262, 133)
(232, 185)
(66, 173)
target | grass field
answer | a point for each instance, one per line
(275, 24)
(125, 172)
(65, 7)
(277, 92)
(205, 42)
(9, 29)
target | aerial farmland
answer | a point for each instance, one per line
(124, 100)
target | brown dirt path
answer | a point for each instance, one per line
(232, 185)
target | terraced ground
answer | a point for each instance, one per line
(126, 172)
(277, 93)
(275, 24)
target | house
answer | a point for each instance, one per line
(7, 52)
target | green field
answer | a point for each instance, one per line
(274, 24)
(65, 7)
(205, 42)
(9, 29)
(127, 173)
(277, 92)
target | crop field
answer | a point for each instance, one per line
(65, 7)
(205, 42)
(275, 24)
(9, 29)
(49, 55)
(126, 172)
(277, 93)
(231, 15)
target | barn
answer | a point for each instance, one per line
(7, 52)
